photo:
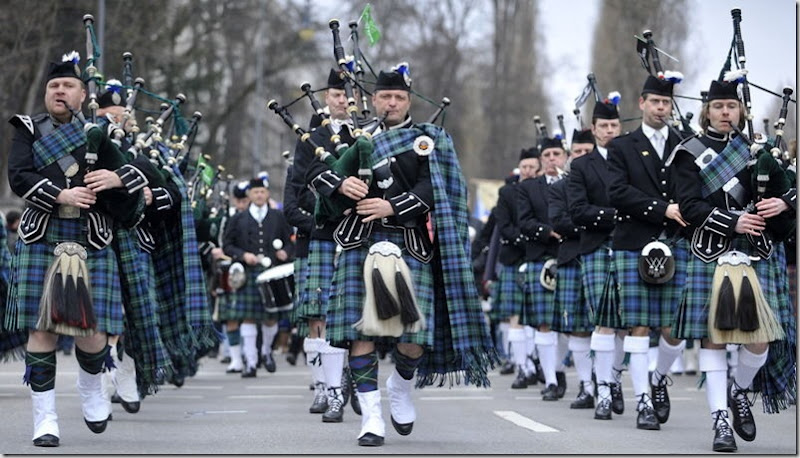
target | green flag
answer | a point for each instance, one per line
(207, 172)
(370, 28)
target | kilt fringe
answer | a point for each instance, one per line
(476, 363)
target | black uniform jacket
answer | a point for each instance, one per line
(640, 189)
(512, 244)
(298, 207)
(558, 213)
(244, 234)
(590, 207)
(534, 221)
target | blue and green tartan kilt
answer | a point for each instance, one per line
(321, 256)
(226, 307)
(645, 304)
(247, 303)
(538, 305)
(346, 301)
(600, 289)
(571, 312)
(29, 266)
(691, 320)
(510, 295)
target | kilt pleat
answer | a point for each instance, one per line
(321, 256)
(347, 292)
(571, 312)
(30, 264)
(510, 296)
(600, 289)
(645, 304)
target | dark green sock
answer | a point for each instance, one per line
(91, 362)
(364, 369)
(405, 365)
(40, 370)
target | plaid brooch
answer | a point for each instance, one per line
(732, 160)
(57, 144)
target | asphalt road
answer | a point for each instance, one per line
(216, 413)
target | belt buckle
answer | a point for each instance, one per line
(69, 212)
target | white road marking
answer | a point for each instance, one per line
(524, 422)
(266, 396)
(277, 387)
(200, 387)
(455, 398)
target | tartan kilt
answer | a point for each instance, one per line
(509, 295)
(600, 289)
(321, 258)
(247, 303)
(538, 303)
(30, 264)
(645, 304)
(300, 297)
(225, 306)
(691, 320)
(571, 311)
(347, 292)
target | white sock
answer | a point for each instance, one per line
(638, 347)
(603, 346)
(249, 333)
(546, 345)
(268, 336)
(714, 364)
(580, 347)
(313, 359)
(619, 357)
(530, 345)
(504, 338)
(562, 348)
(333, 364)
(516, 337)
(749, 364)
(666, 356)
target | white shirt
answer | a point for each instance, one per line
(258, 213)
(603, 152)
(659, 146)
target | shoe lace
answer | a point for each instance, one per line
(335, 399)
(721, 423)
(741, 401)
(643, 402)
(660, 391)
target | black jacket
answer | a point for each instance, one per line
(558, 213)
(534, 221)
(512, 244)
(244, 234)
(640, 189)
(298, 208)
(590, 207)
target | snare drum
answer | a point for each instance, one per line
(276, 286)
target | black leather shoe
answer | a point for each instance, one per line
(47, 440)
(723, 435)
(250, 372)
(647, 419)
(354, 403)
(178, 381)
(370, 440)
(115, 399)
(539, 371)
(603, 410)
(561, 378)
(402, 429)
(320, 404)
(583, 401)
(130, 407)
(237, 371)
(346, 385)
(335, 412)
(743, 422)
(617, 401)
(225, 360)
(521, 381)
(507, 369)
(661, 403)
(532, 379)
(550, 393)
(291, 358)
(97, 427)
(269, 362)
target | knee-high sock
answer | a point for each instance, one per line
(562, 348)
(516, 337)
(311, 346)
(749, 364)
(530, 349)
(249, 333)
(269, 333)
(714, 363)
(638, 348)
(666, 356)
(547, 343)
(364, 369)
(40, 370)
(580, 347)
(619, 357)
(406, 365)
(332, 364)
(504, 338)
(603, 346)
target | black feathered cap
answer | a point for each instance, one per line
(603, 110)
(722, 90)
(528, 153)
(582, 136)
(551, 143)
(240, 190)
(334, 80)
(258, 183)
(113, 95)
(657, 86)
(67, 68)
(397, 78)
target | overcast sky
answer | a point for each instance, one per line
(769, 29)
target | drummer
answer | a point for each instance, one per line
(256, 239)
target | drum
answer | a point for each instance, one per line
(222, 276)
(276, 286)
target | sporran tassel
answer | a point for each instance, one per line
(386, 304)
(408, 308)
(726, 306)
(746, 313)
